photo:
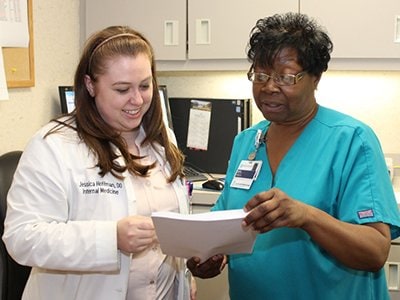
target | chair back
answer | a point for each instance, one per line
(13, 276)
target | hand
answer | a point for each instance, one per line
(135, 234)
(274, 209)
(210, 268)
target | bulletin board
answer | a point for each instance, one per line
(19, 62)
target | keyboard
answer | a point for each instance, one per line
(192, 174)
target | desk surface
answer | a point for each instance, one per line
(204, 197)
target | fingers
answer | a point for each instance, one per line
(265, 224)
(258, 199)
(142, 222)
(274, 209)
(267, 209)
(135, 234)
(192, 263)
(260, 206)
(210, 268)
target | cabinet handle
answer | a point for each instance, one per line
(203, 31)
(397, 29)
(392, 276)
(171, 33)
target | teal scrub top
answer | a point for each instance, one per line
(336, 165)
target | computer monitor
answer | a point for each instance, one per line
(206, 127)
(67, 99)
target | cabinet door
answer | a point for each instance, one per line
(359, 28)
(220, 29)
(162, 22)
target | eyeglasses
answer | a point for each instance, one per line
(279, 79)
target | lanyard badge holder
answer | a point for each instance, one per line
(249, 169)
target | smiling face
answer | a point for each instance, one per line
(123, 93)
(285, 104)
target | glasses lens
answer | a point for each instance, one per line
(285, 79)
(258, 77)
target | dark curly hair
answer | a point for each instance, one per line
(291, 30)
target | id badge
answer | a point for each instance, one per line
(246, 173)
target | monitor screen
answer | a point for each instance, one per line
(206, 127)
(67, 99)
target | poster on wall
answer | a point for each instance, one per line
(14, 30)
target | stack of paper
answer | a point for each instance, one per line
(203, 235)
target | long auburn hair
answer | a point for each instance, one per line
(99, 136)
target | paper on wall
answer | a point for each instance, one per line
(3, 80)
(199, 124)
(14, 28)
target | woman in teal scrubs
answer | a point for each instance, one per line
(320, 197)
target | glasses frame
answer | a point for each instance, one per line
(295, 78)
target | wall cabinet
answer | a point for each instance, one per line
(162, 22)
(359, 28)
(220, 29)
(182, 32)
(213, 34)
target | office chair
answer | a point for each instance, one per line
(13, 276)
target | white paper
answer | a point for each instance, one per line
(14, 28)
(199, 125)
(3, 80)
(204, 234)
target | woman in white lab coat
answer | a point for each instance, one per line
(80, 204)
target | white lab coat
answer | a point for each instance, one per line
(62, 218)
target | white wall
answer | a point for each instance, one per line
(373, 97)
